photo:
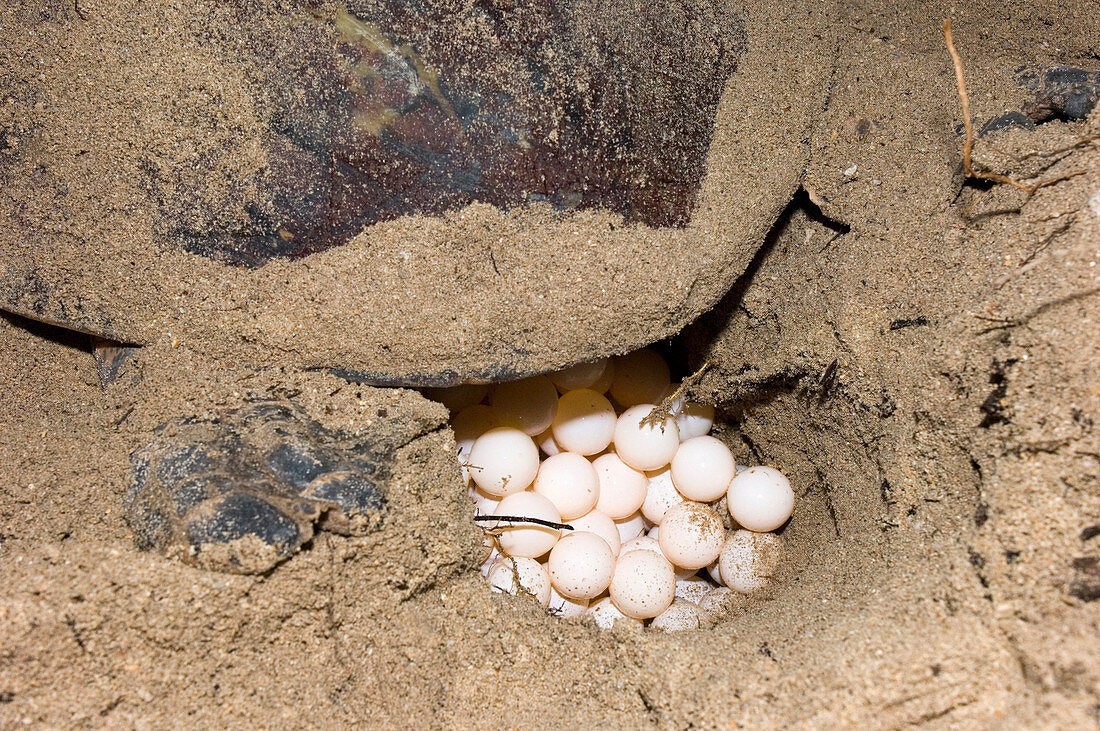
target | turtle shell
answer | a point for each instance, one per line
(415, 193)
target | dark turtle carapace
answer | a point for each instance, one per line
(419, 108)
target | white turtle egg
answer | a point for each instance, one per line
(622, 488)
(692, 589)
(603, 383)
(702, 469)
(678, 617)
(457, 398)
(503, 461)
(643, 585)
(581, 565)
(581, 375)
(760, 499)
(521, 576)
(714, 571)
(595, 521)
(631, 527)
(468, 425)
(661, 496)
(483, 504)
(528, 404)
(564, 607)
(691, 535)
(749, 560)
(644, 446)
(488, 546)
(694, 420)
(641, 377)
(584, 423)
(606, 615)
(546, 443)
(641, 543)
(569, 481)
(526, 539)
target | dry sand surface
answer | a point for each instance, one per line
(919, 354)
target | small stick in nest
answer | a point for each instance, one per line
(664, 410)
(519, 519)
(968, 145)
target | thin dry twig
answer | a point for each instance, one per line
(663, 411)
(964, 100)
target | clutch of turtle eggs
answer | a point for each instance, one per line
(629, 513)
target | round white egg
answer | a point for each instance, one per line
(643, 585)
(581, 565)
(503, 461)
(565, 608)
(749, 560)
(702, 469)
(468, 425)
(526, 539)
(546, 444)
(584, 422)
(661, 495)
(622, 488)
(528, 404)
(694, 420)
(581, 375)
(594, 521)
(641, 377)
(484, 504)
(631, 527)
(521, 575)
(691, 535)
(644, 446)
(641, 543)
(760, 499)
(569, 481)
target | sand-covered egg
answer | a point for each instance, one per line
(691, 535)
(643, 585)
(515, 575)
(581, 565)
(749, 560)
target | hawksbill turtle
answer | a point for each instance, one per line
(289, 185)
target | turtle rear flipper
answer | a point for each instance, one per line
(244, 490)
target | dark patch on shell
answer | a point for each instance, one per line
(395, 108)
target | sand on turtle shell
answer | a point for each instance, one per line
(926, 374)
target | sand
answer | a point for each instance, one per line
(917, 353)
